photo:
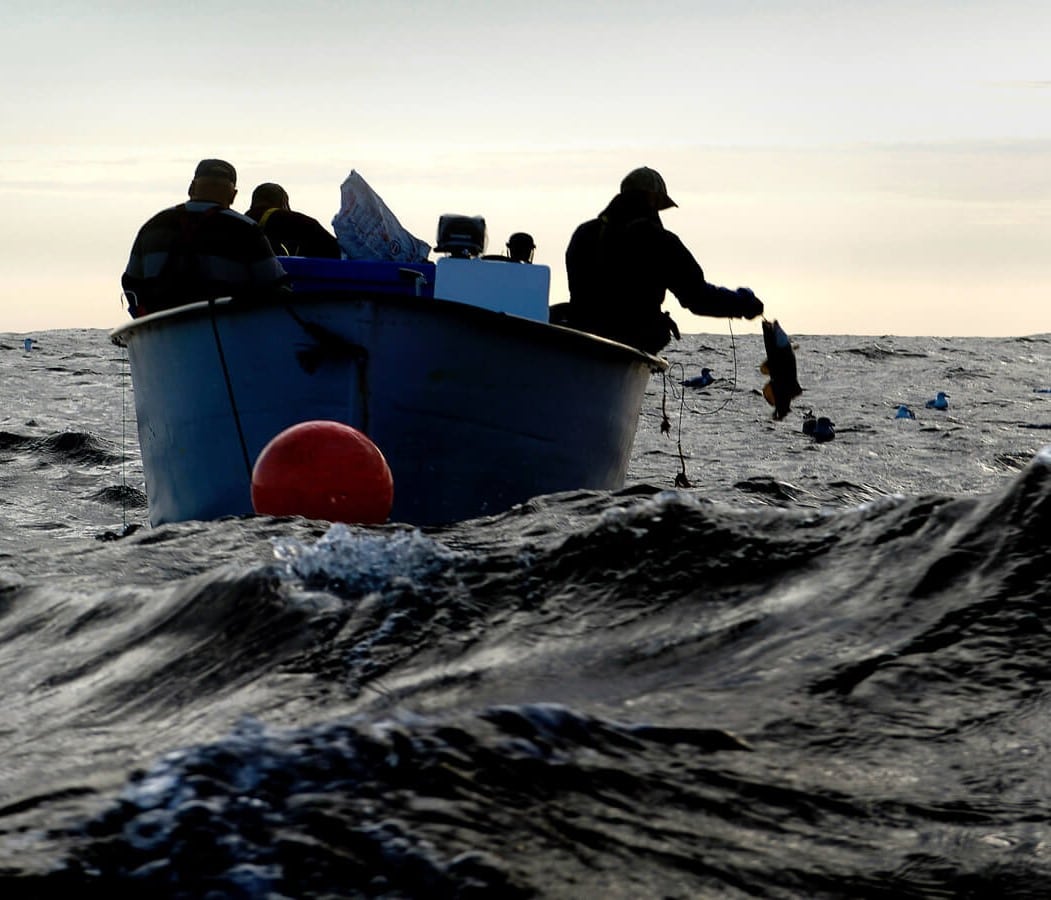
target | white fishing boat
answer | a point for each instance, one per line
(451, 368)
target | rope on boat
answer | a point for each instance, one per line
(230, 391)
(329, 345)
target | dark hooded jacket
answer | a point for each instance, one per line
(619, 267)
(295, 234)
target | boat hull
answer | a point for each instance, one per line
(475, 411)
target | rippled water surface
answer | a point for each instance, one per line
(821, 670)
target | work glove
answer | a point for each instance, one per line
(750, 305)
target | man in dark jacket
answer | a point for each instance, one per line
(621, 264)
(290, 233)
(200, 250)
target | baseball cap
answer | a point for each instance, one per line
(647, 179)
(215, 168)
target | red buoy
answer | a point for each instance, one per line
(323, 470)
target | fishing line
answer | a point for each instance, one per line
(128, 298)
(125, 365)
(733, 383)
(681, 479)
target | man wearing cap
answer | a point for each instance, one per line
(200, 250)
(621, 264)
(290, 233)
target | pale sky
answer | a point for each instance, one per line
(866, 168)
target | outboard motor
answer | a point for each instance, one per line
(462, 237)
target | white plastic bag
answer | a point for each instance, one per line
(367, 229)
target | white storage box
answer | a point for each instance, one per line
(520, 289)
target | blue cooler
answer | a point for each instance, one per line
(375, 276)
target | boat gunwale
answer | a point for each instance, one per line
(498, 320)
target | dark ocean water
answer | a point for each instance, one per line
(822, 670)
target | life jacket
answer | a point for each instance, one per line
(266, 215)
(278, 246)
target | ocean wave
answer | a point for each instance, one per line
(122, 495)
(62, 447)
(514, 801)
(355, 562)
(880, 352)
(262, 808)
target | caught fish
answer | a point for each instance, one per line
(780, 364)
